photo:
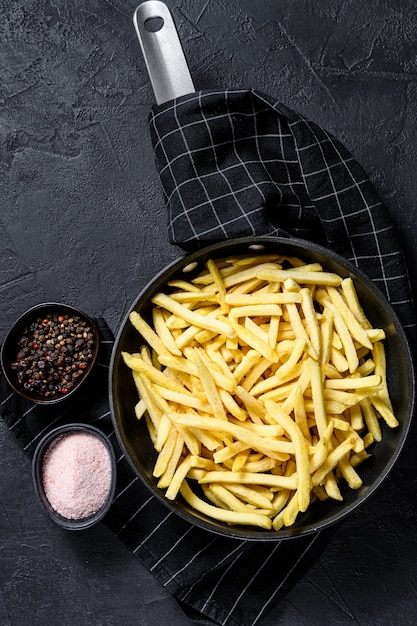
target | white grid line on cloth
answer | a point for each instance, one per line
(316, 144)
(390, 279)
(215, 566)
(173, 179)
(283, 152)
(197, 96)
(244, 163)
(201, 122)
(193, 558)
(102, 416)
(369, 212)
(185, 100)
(328, 220)
(213, 175)
(283, 581)
(332, 166)
(340, 191)
(273, 231)
(223, 144)
(168, 552)
(22, 416)
(126, 488)
(405, 301)
(258, 151)
(6, 399)
(39, 435)
(157, 527)
(254, 576)
(213, 147)
(248, 584)
(330, 178)
(292, 184)
(132, 517)
(195, 172)
(226, 222)
(213, 591)
(375, 231)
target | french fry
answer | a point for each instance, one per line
(254, 341)
(299, 330)
(384, 411)
(251, 478)
(310, 315)
(227, 516)
(351, 382)
(166, 452)
(164, 332)
(140, 409)
(137, 364)
(300, 451)
(318, 396)
(218, 281)
(149, 335)
(321, 449)
(236, 299)
(357, 331)
(195, 319)
(210, 388)
(239, 432)
(251, 496)
(299, 276)
(255, 310)
(331, 461)
(351, 296)
(228, 452)
(331, 487)
(349, 473)
(182, 471)
(371, 419)
(173, 461)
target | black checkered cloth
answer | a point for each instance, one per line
(237, 162)
(231, 164)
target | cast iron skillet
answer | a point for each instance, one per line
(134, 438)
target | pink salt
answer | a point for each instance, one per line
(76, 474)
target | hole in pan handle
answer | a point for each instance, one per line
(162, 50)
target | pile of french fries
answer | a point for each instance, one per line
(262, 384)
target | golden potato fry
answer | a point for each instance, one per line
(299, 276)
(230, 517)
(300, 451)
(195, 319)
(147, 333)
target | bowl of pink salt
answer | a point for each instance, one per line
(74, 475)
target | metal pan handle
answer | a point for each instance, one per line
(164, 57)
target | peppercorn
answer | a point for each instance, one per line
(50, 353)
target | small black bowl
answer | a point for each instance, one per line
(10, 348)
(37, 465)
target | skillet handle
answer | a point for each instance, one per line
(164, 57)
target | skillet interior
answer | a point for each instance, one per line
(133, 436)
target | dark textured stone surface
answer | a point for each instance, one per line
(82, 220)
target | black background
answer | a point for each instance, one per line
(83, 221)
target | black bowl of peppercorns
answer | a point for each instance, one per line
(49, 352)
